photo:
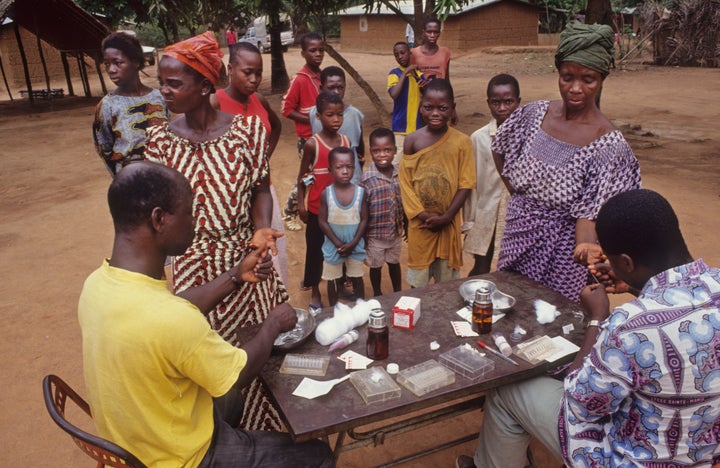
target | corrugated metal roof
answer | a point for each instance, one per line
(61, 23)
(406, 6)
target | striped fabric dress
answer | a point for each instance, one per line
(222, 173)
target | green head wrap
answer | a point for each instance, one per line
(588, 45)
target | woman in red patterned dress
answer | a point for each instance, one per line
(225, 159)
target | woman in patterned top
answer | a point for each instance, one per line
(561, 161)
(225, 159)
(123, 115)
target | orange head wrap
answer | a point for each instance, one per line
(201, 53)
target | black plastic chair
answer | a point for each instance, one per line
(56, 393)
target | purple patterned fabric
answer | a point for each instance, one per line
(648, 394)
(556, 183)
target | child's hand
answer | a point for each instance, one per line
(303, 213)
(435, 223)
(345, 249)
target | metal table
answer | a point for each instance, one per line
(343, 410)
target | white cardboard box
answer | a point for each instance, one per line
(406, 312)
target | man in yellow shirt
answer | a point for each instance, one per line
(161, 383)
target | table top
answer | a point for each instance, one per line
(343, 408)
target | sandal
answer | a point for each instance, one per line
(315, 309)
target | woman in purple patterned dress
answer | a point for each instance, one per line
(561, 160)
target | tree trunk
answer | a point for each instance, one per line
(279, 79)
(419, 21)
(383, 114)
(599, 11)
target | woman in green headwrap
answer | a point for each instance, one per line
(561, 160)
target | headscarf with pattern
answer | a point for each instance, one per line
(201, 53)
(588, 45)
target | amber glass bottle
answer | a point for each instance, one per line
(482, 311)
(378, 336)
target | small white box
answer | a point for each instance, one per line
(406, 312)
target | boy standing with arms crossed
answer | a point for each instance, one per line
(404, 89)
(385, 215)
(437, 172)
(296, 103)
(484, 211)
(343, 217)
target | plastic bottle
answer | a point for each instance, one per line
(501, 343)
(346, 339)
(482, 311)
(378, 336)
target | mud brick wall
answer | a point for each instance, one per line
(504, 23)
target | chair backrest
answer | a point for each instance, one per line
(56, 393)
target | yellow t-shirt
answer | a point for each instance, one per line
(152, 365)
(429, 180)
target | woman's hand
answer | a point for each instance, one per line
(264, 238)
(588, 253)
(255, 267)
(604, 274)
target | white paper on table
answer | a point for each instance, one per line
(463, 329)
(466, 314)
(563, 347)
(311, 388)
(354, 360)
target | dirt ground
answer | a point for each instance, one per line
(56, 228)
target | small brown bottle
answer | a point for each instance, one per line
(378, 336)
(482, 311)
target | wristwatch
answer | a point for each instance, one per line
(593, 323)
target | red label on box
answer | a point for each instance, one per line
(406, 312)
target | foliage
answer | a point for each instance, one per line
(171, 16)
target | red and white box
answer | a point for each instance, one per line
(406, 312)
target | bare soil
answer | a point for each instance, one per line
(56, 228)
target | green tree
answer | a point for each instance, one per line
(169, 15)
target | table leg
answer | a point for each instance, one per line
(339, 445)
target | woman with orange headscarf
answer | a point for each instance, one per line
(225, 159)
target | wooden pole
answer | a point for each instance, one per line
(66, 68)
(83, 71)
(7, 86)
(42, 59)
(24, 62)
(100, 75)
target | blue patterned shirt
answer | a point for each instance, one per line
(648, 394)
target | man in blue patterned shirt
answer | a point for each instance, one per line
(644, 389)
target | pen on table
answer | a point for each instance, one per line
(496, 353)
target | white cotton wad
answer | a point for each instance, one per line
(344, 319)
(545, 311)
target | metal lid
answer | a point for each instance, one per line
(482, 295)
(377, 319)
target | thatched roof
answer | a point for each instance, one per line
(60, 23)
(688, 34)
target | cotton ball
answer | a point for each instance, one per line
(345, 316)
(330, 330)
(545, 311)
(361, 311)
